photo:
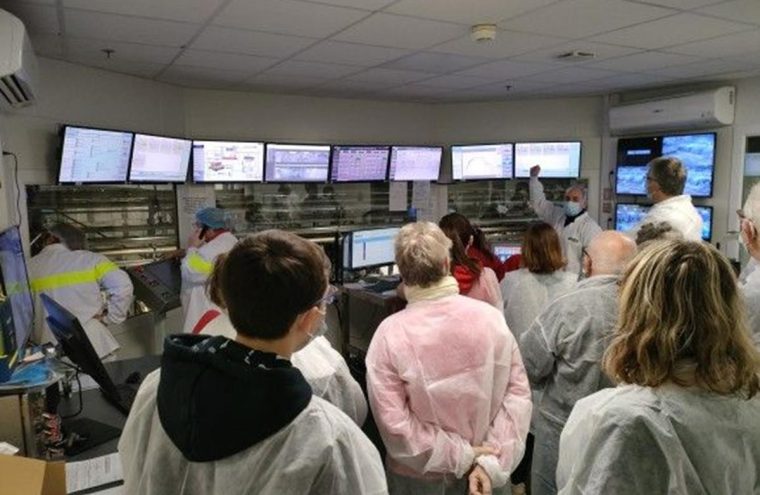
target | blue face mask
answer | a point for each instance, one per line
(572, 208)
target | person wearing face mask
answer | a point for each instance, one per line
(322, 366)
(563, 349)
(749, 218)
(572, 222)
(666, 179)
(232, 417)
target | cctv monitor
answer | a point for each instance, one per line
(410, 163)
(359, 163)
(368, 248)
(558, 160)
(296, 162)
(482, 161)
(631, 181)
(228, 161)
(706, 213)
(159, 159)
(697, 153)
(627, 215)
(94, 156)
(19, 314)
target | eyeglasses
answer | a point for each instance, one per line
(330, 296)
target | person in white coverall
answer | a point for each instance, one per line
(87, 284)
(575, 227)
(445, 380)
(234, 417)
(749, 218)
(209, 239)
(684, 417)
(666, 180)
(563, 349)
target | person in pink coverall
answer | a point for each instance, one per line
(446, 381)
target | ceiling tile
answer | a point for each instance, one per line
(389, 76)
(225, 61)
(417, 90)
(339, 52)
(439, 63)
(364, 86)
(454, 82)
(201, 77)
(627, 81)
(725, 46)
(572, 75)
(400, 32)
(737, 10)
(249, 42)
(195, 11)
(472, 12)
(505, 69)
(47, 45)
(122, 28)
(312, 69)
(38, 19)
(679, 4)
(506, 44)
(705, 68)
(674, 30)
(269, 82)
(582, 18)
(122, 52)
(288, 17)
(358, 4)
(643, 61)
(601, 50)
(139, 69)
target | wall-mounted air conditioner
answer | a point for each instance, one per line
(18, 63)
(703, 109)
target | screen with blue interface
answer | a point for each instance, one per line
(482, 161)
(415, 163)
(228, 161)
(297, 162)
(371, 248)
(631, 180)
(628, 215)
(706, 213)
(359, 163)
(15, 285)
(94, 155)
(159, 159)
(505, 251)
(561, 160)
(697, 153)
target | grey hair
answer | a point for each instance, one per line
(669, 173)
(751, 208)
(422, 253)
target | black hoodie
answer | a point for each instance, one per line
(217, 397)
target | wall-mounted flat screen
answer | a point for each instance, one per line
(627, 215)
(482, 161)
(558, 160)
(297, 162)
(359, 163)
(94, 156)
(697, 153)
(159, 159)
(410, 163)
(228, 161)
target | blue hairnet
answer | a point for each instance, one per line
(214, 218)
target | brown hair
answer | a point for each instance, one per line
(422, 253)
(682, 320)
(669, 173)
(459, 230)
(541, 250)
(267, 280)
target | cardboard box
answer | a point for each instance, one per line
(22, 475)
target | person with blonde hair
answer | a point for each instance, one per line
(749, 219)
(445, 380)
(684, 417)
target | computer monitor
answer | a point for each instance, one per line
(159, 159)
(631, 180)
(17, 291)
(627, 215)
(482, 161)
(706, 213)
(558, 160)
(697, 153)
(506, 251)
(368, 248)
(297, 162)
(228, 161)
(410, 163)
(94, 156)
(359, 163)
(68, 331)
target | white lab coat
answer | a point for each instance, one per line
(634, 440)
(85, 283)
(197, 265)
(321, 451)
(751, 292)
(527, 294)
(323, 367)
(574, 237)
(679, 212)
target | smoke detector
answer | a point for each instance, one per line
(482, 33)
(576, 56)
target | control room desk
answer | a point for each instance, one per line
(361, 313)
(96, 407)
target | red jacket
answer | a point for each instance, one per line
(492, 262)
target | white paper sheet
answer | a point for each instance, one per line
(91, 473)
(397, 194)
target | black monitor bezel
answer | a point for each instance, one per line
(192, 162)
(373, 181)
(558, 141)
(714, 160)
(132, 155)
(390, 159)
(266, 163)
(348, 238)
(62, 133)
(451, 154)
